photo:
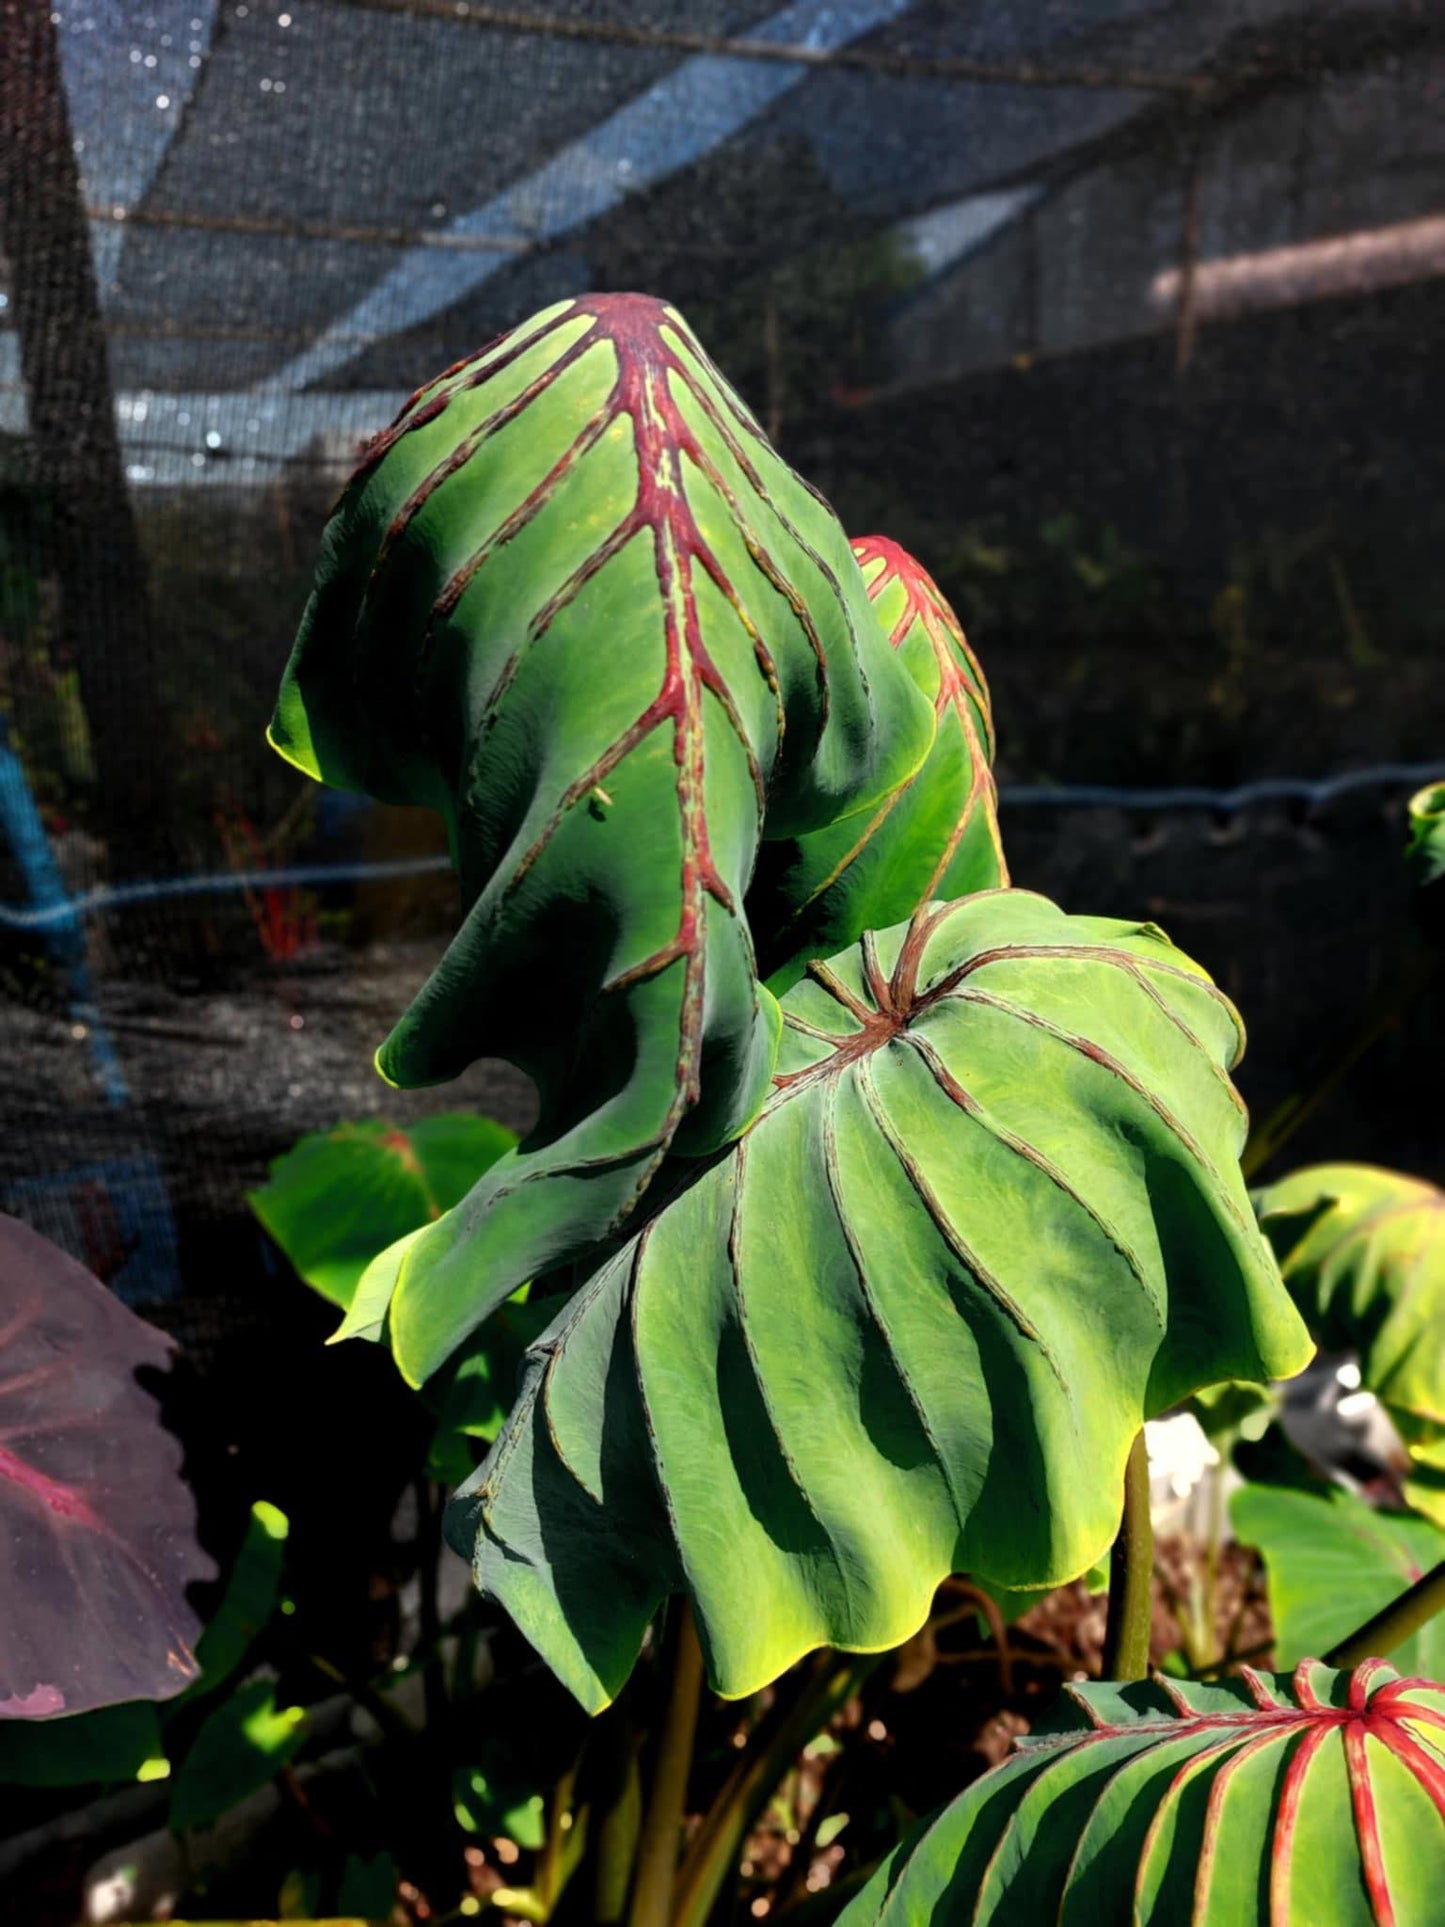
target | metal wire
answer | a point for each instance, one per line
(1268, 789)
(876, 60)
(1287, 789)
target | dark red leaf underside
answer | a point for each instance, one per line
(96, 1521)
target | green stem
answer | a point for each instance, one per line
(667, 1801)
(617, 1825)
(833, 1679)
(1131, 1576)
(1393, 1624)
(428, 1555)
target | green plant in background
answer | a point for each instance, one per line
(1362, 1252)
(873, 1205)
(339, 1198)
(1425, 852)
(1333, 1562)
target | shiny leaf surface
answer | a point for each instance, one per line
(990, 1219)
(97, 1525)
(1312, 1799)
(1334, 1562)
(338, 1197)
(935, 837)
(574, 601)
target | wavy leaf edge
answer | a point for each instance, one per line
(772, 683)
(681, 1426)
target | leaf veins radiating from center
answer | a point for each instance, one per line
(656, 358)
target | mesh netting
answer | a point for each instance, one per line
(1124, 318)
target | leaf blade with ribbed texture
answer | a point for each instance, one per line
(990, 1219)
(1311, 1799)
(574, 601)
(935, 837)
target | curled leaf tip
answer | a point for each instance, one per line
(575, 602)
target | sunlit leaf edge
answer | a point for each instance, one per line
(743, 685)
(677, 1427)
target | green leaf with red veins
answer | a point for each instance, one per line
(1362, 1251)
(1305, 1799)
(935, 837)
(575, 602)
(989, 1221)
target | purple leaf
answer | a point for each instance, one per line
(97, 1527)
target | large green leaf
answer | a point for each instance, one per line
(1312, 1799)
(1425, 852)
(935, 837)
(1363, 1255)
(338, 1197)
(1334, 1562)
(989, 1221)
(575, 602)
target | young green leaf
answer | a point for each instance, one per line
(935, 837)
(1312, 1799)
(1334, 1562)
(338, 1197)
(990, 1220)
(472, 1393)
(1425, 851)
(248, 1602)
(575, 602)
(1362, 1252)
